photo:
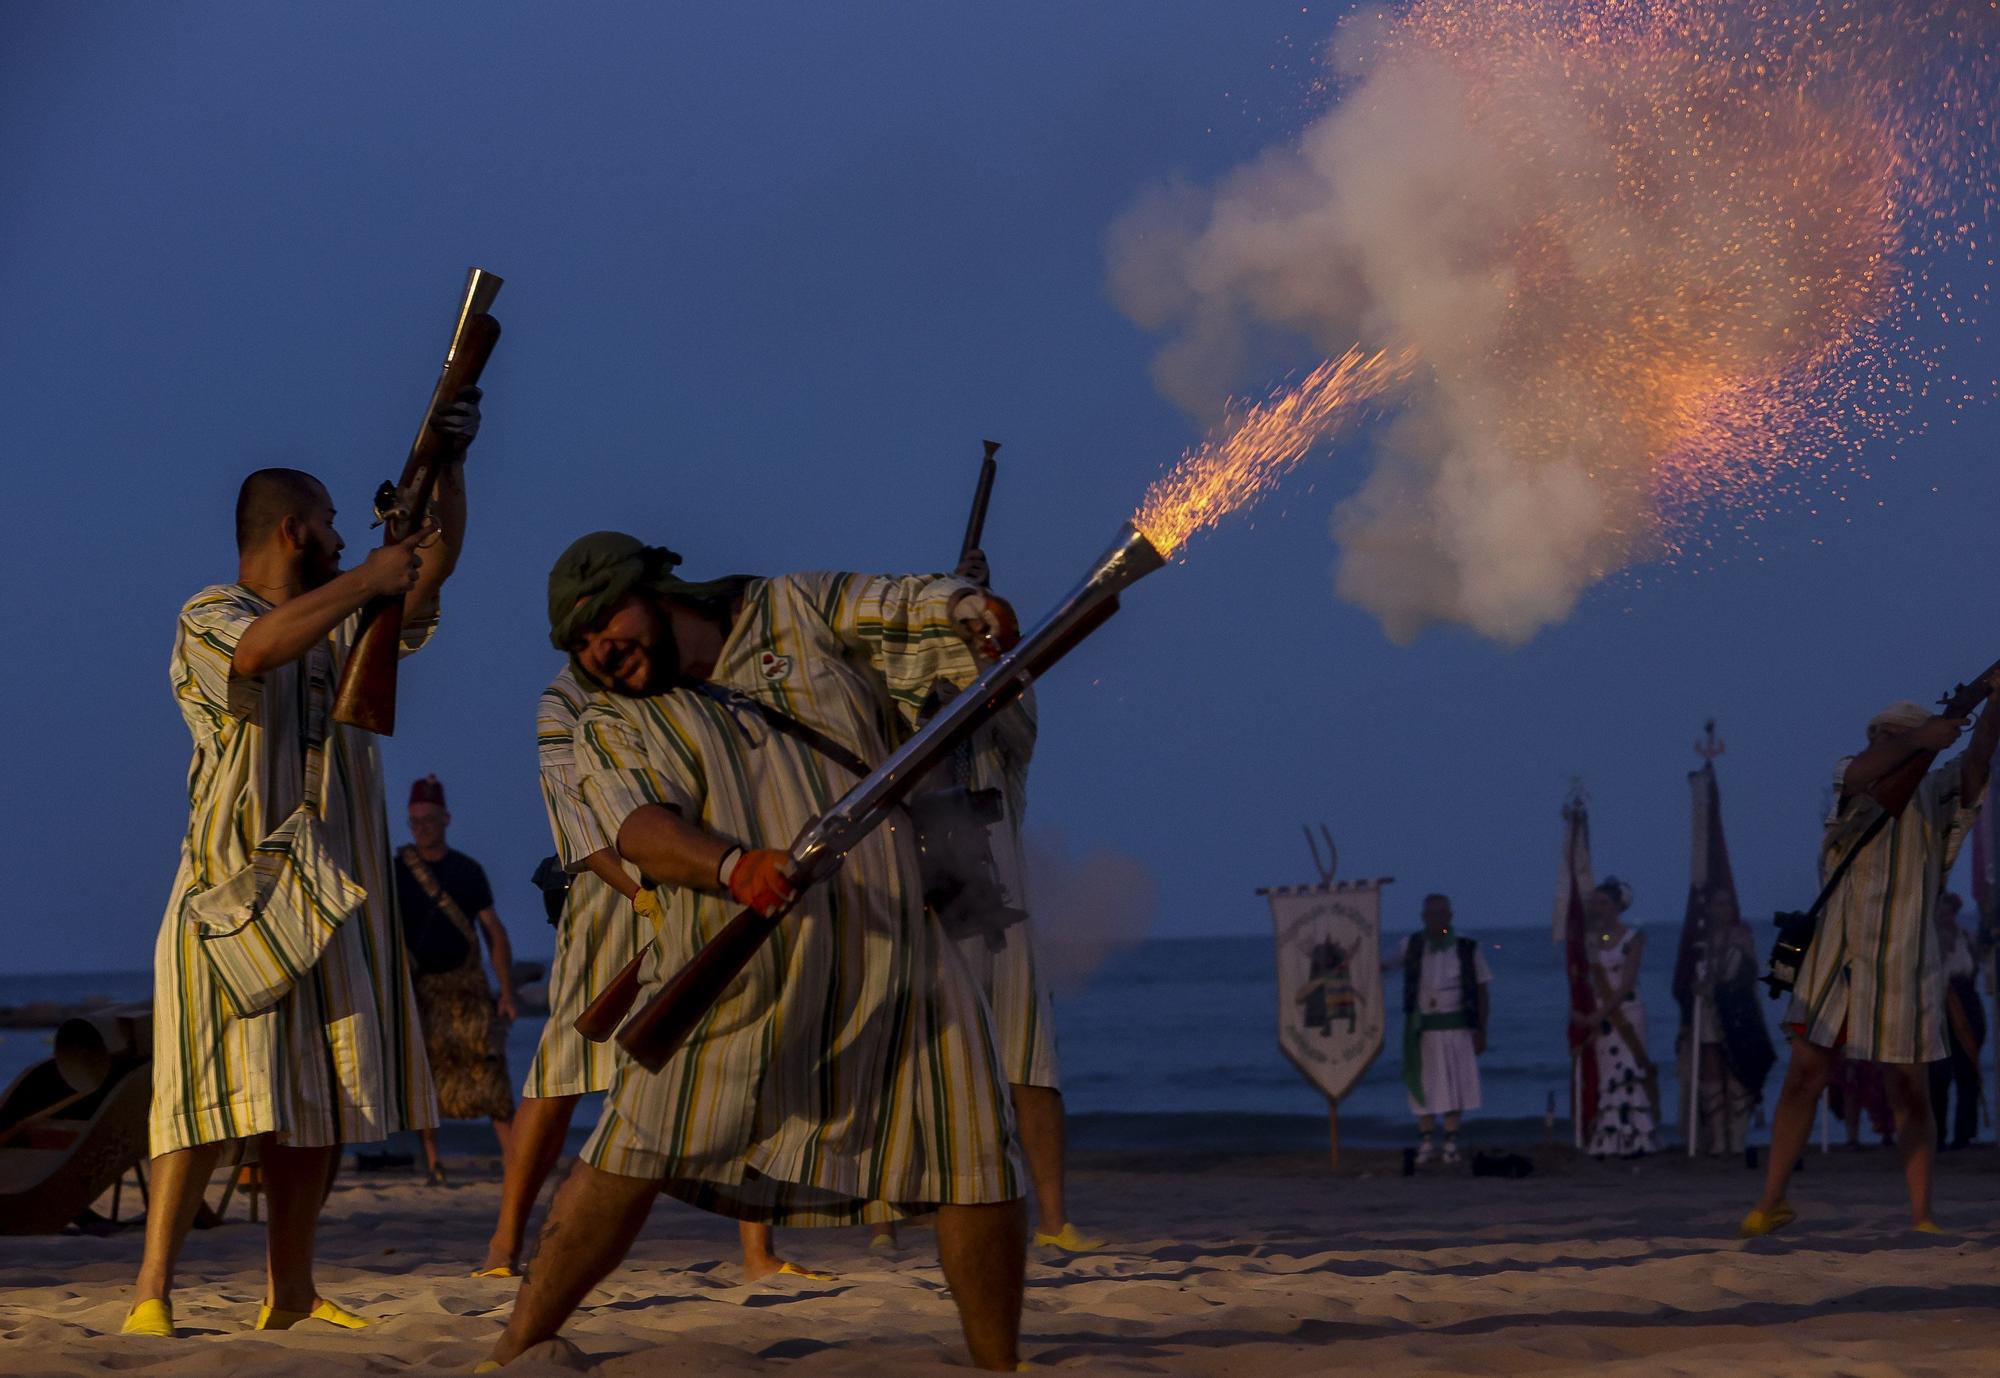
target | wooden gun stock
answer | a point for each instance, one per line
(366, 694)
(601, 1017)
(1894, 790)
(657, 1032)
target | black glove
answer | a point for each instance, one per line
(460, 420)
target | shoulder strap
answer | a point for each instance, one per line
(735, 700)
(427, 879)
(1840, 871)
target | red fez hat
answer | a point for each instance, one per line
(427, 791)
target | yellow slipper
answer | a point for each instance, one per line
(793, 1270)
(150, 1317)
(487, 1366)
(322, 1310)
(1927, 1227)
(1069, 1238)
(1757, 1224)
(503, 1271)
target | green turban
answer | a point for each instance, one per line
(594, 573)
(599, 569)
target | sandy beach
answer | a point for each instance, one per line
(1219, 1265)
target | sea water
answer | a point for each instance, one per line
(1172, 1045)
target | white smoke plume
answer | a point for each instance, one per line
(1639, 251)
(1083, 908)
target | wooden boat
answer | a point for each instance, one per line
(71, 1126)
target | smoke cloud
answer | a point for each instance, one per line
(1084, 908)
(1642, 254)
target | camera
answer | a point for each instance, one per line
(1788, 951)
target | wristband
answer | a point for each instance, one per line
(726, 867)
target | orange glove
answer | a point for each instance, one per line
(988, 622)
(757, 880)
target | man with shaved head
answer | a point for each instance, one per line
(1871, 984)
(286, 808)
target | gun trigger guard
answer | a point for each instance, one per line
(388, 503)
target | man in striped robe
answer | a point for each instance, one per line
(608, 918)
(1871, 984)
(849, 1074)
(340, 1058)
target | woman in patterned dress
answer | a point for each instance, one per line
(1624, 1125)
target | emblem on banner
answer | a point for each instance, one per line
(774, 666)
(1329, 941)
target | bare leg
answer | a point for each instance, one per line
(1424, 1124)
(760, 1260)
(295, 1182)
(539, 1130)
(429, 1137)
(503, 1130)
(1791, 1123)
(1038, 1116)
(984, 1253)
(590, 1229)
(1910, 1098)
(176, 1182)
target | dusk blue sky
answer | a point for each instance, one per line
(773, 271)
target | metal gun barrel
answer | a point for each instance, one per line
(1128, 559)
(657, 1031)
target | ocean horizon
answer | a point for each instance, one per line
(1172, 1043)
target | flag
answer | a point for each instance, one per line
(1985, 864)
(1573, 883)
(1708, 871)
(1330, 1014)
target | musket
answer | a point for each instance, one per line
(975, 525)
(1894, 790)
(659, 1029)
(600, 1019)
(366, 696)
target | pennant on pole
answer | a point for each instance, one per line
(1573, 884)
(1330, 1015)
(1985, 858)
(1708, 869)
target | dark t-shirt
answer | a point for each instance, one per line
(436, 943)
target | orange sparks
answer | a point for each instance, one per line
(1247, 456)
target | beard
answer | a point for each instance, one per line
(663, 660)
(320, 564)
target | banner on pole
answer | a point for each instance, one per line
(1329, 951)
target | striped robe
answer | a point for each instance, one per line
(849, 1073)
(1874, 969)
(1023, 1020)
(600, 931)
(340, 1059)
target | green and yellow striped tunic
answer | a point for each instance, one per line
(849, 1074)
(600, 931)
(1023, 1018)
(341, 1058)
(1874, 969)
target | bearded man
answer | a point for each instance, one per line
(849, 1074)
(339, 1058)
